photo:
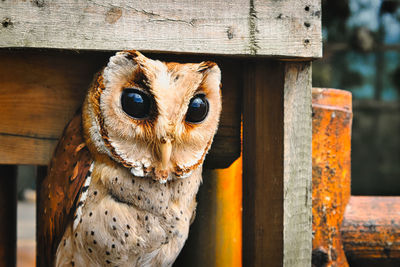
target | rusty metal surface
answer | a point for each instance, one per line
(332, 118)
(371, 231)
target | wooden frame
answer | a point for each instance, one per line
(41, 89)
(290, 28)
(277, 166)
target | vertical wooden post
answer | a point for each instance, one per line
(297, 163)
(8, 215)
(41, 173)
(277, 164)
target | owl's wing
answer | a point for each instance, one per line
(61, 189)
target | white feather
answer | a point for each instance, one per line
(78, 213)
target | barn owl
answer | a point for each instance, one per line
(121, 188)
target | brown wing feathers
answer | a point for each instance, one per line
(61, 189)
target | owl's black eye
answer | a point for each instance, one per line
(198, 109)
(135, 103)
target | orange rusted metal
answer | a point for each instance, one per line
(332, 118)
(371, 231)
(229, 216)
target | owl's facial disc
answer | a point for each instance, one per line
(157, 119)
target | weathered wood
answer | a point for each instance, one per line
(289, 28)
(297, 165)
(277, 164)
(41, 90)
(371, 231)
(8, 215)
(331, 120)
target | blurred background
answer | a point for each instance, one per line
(361, 54)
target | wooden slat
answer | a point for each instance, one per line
(263, 164)
(277, 164)
(26, 150)
(290, 28)
(41, 173)
(8, 215)
(39, 94)
(297, 165)
(371, 231)
(41, 90)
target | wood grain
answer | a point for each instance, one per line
(297, 207)
(277, 164)
(370, 231)
(26, 150)
(41, 90)
(263, 164)
(289, 28)
(39, 93)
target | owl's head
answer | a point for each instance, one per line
(155, 118)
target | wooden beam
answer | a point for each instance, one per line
(8, 215)
(297, 165)
(277, 164)
(41, 173)
(26, 150)
(290, 28)
(39, 94)
(370, 231)
(263, 164)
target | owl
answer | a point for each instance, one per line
(121, 187)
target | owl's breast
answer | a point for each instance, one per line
(133, 220)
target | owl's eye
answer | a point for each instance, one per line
(198, 109)
(135, 103)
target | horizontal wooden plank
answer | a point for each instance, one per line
(370, 231)
(40, 91)
(290, 28)
(26, 150)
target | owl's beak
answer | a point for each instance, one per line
(166, 149)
